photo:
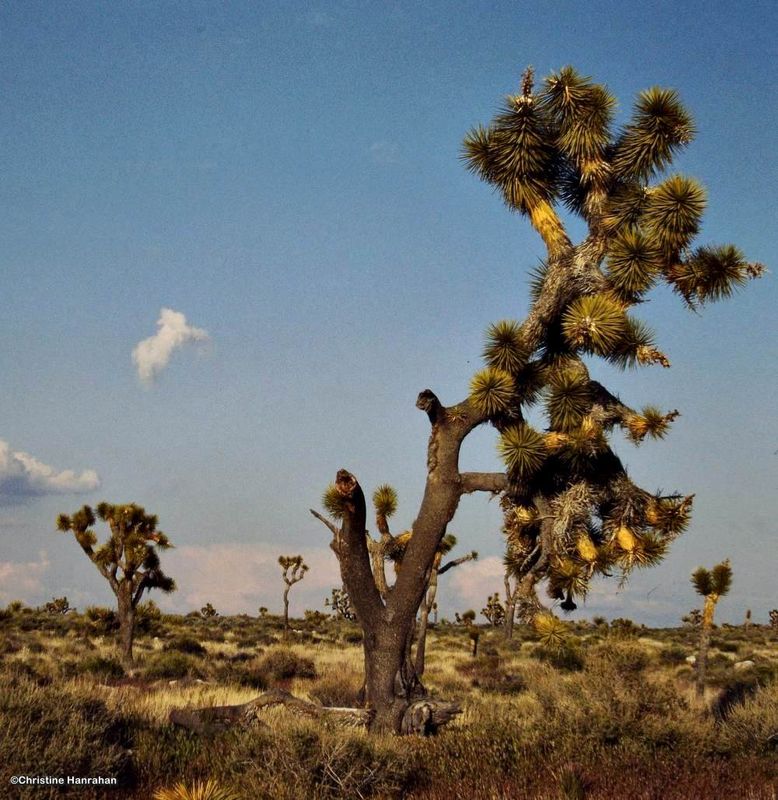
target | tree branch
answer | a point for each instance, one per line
(457, 561)
(494, 482)
(353, 555)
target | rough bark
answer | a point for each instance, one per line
(126, 612)
(705, 633)
(286, 613)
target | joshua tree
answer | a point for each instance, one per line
(712, 585)
(494, 610)
(747, 621)
(262, 612)
(774, 619)
(293, 570)
(693, 619)
(208, 611)
(570, 507)
(389, 547)
(58, 605)
(340, 604)
(128, 559)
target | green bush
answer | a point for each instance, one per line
(172, 665)
(102, 667)
(55, 732)
(282, 664)
(185, 644)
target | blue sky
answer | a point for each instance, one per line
(287, 176)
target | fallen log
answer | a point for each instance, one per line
(423, 717)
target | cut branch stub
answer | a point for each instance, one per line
(428, 402)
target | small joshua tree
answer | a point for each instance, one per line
(128, 560)
(293, 570)
(262, 612)
(747, 621)
(494, 610)
(774, 619)
(712, 585)
(208, 611)
(340, 604)
(58, 605)
(693, 619)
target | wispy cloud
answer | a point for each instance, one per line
(152, 355)
(23, 476)
(472, 583)
(385, 152)
(23, 580)
(239, 577)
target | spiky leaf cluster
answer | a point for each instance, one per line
(522, 449)
(595, 323)
(712, 273)
(716, 581)
(492, 391)
(660, 126)
(385, 500)
(569, 399)
(673, 213)
(504, 349)
(551, 630)
(334, 502)
(634, 262)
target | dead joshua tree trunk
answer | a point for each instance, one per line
(510, 608)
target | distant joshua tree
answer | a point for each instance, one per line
(747, 621)
(262, 612)
(774, 619)
(208, 611)
(712, 585)
(293, 570)
(58, 605)
(465, 618)
(693, 619)
(128, 560)
(340, 603)
(494, 611)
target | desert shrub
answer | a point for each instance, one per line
(340, 690)
(35, 646)
(352, 636)
(172, 665)
(625, 657)
(752, 726)
(102, 667)
(487, 672)
(567, 658)
(9, 645)
(282, 664)
(185, 644)
(725, 646)
(55, 732)
(673, 655)
(101, 620)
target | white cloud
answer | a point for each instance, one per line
(239, 577)
(385, 152)
(152, 355)
(471, 583)
(22, 580)
(22, 475)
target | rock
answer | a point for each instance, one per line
(740, 666)
(691, 660)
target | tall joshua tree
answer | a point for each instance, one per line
(128, 559)
(571, 509)
(712, 585)
(293, 570)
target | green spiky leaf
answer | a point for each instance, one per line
(504, 348)
(674, 211)
(702, 581)
(633, 263)
(385, 500)
(595, 323)
(522, 449)
(625, 207)
(637, 339)
(721, 578)
(712, 273)
(660, 126)
(568, 400)
(333, 501)
(491, 390)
